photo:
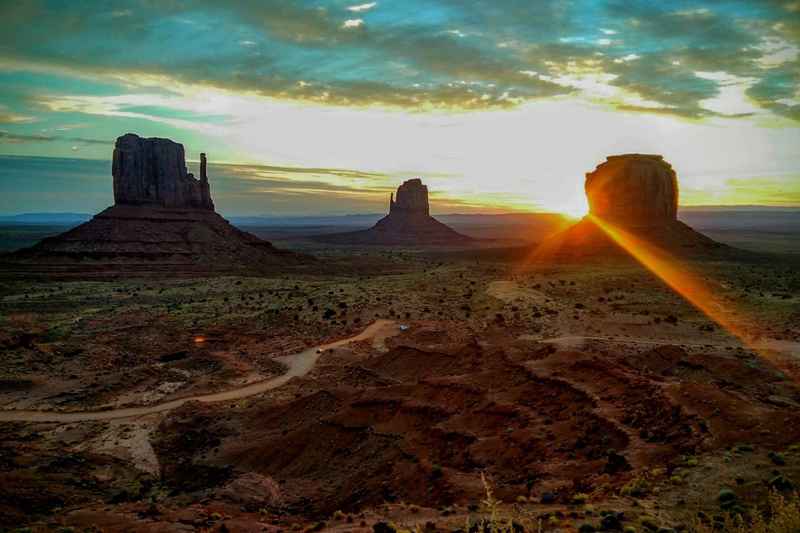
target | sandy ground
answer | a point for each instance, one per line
(191, 404)
(297, 365)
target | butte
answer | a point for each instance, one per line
(409, 223)
(162, 223)
(636, 194)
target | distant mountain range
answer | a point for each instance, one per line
(705, 217)
(366, 219)
(45, 218)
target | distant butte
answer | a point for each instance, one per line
(152, 172)
(637, 193)
(408, 223)
(162, 222)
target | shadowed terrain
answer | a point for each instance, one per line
(560, 382)
(408, 387)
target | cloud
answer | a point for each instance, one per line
(278, 190)
(285, 170)
(353, 23)
(779, 90)
(362, 7)
(14, 118)
(10, 117)
(14, 138)
(173, 110)
(770, 191)
(409, 58)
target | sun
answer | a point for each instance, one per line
(574, 208)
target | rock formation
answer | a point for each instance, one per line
(633, 190)
(637, 193)
(162, 222)
(412, 199)
(152, 172)
(408, 223)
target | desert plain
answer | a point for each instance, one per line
(578, 394)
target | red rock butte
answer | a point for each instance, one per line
(408, 223)
(152, 172)
(633, 190)
(412, 199)
(637, 193)
(162, 222)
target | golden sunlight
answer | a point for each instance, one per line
(690, 286)
(574, 207)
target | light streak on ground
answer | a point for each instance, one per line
(677, 276)
(703, 294)
(695, 290)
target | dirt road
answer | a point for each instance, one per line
(298, 365)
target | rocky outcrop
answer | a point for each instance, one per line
(412, 198)
(408, 223)
(152, 172)
(162, 223)
(636, 193)
(635, 190)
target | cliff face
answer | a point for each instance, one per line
(412, 198)
(633, 190)
(162, 223)
(152, 172)
(637, 193)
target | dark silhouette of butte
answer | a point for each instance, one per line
(637, 193)
(409, 222)
(162, 220)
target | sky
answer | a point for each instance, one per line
(326, 106)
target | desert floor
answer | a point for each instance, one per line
(579, 394)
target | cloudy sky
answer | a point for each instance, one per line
(497, 104)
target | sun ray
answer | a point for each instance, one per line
(699, 292)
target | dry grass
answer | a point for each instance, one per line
(781, 516)
(498, 521)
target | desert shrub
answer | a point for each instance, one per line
(638, 486)
(777, 458)
(580, 498)
(54, 334)
(781, 516)
(781, 483)
(726, 498)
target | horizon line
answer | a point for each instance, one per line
(495, 214)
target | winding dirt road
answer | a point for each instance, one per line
(298, 365)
